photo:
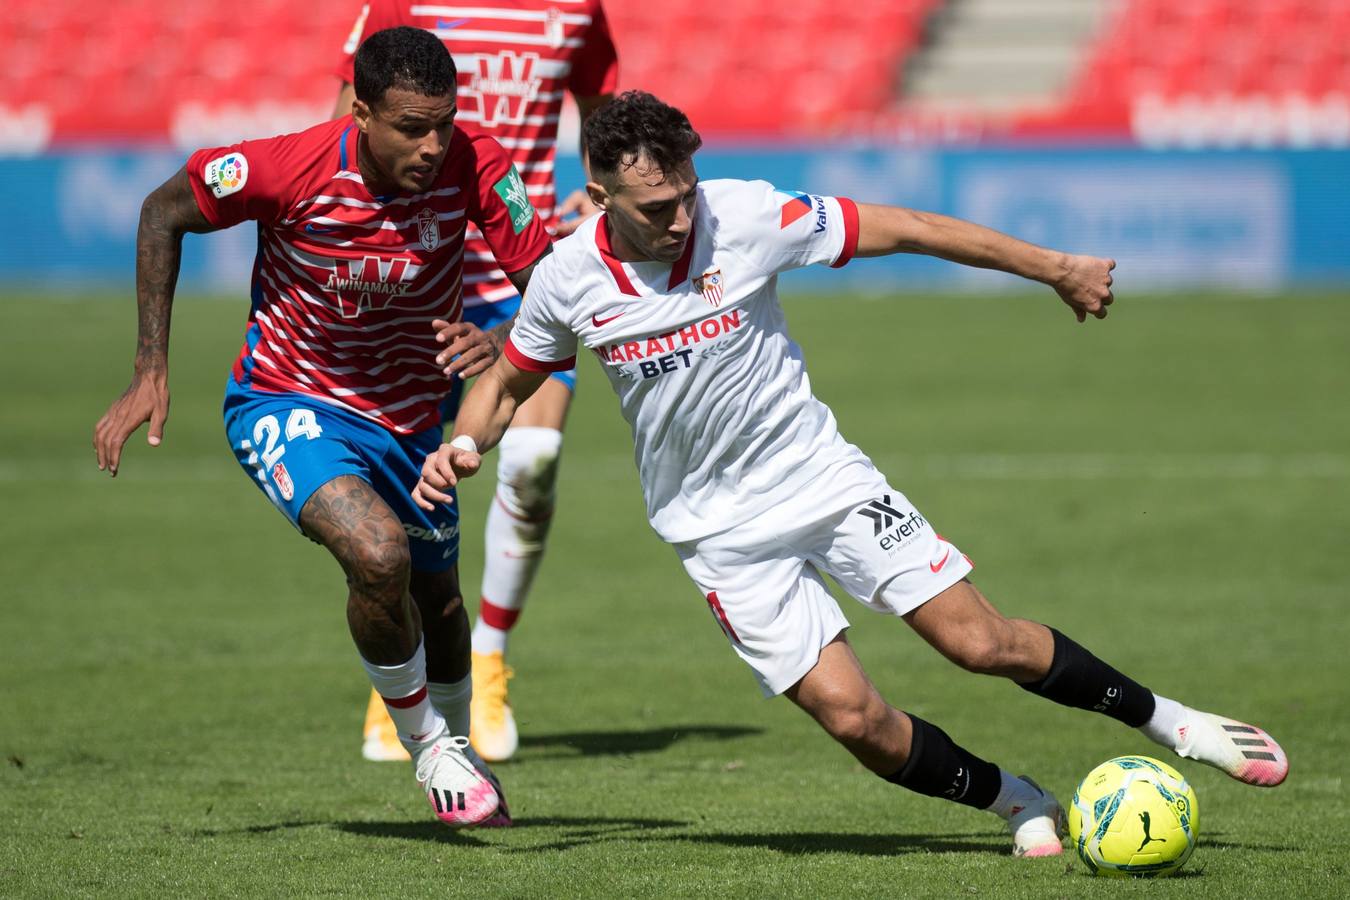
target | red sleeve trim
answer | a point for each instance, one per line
(528, 364)
(850, 211)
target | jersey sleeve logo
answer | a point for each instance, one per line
(799, 204)
(512, 191)
(226, 175)
(354, 39)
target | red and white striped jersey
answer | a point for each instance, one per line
(346, 284)
(515, 58)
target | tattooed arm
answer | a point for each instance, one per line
(167, 214)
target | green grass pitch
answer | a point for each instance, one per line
(180, 703)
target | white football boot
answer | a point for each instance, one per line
(1037, 823)
(1243, 751)
(456, 791)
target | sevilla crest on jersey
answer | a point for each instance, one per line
(709, 284)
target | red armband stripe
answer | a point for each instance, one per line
(850, 212)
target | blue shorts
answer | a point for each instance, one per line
(488, 316)
(290, 445)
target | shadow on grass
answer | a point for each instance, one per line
(622, 743)
(581, 830)
(812, 842)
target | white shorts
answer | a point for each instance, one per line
(762, 579)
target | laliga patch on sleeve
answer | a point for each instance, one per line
(512, 191)
(226, 174)
(354, 39)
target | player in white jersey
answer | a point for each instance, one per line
(745, 473)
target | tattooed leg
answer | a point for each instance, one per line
(445, 624)
(359, 529)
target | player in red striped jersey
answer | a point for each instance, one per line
(336, 393)
(515, 59)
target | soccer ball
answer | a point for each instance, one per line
(1134, 816)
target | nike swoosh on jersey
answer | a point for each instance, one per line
(937, 566)
(599, 322)
(451, 23)
(313, 229)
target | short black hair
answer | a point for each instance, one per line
(404, 57)
(636, 124)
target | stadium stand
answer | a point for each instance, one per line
(151, 70)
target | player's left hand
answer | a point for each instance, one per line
(441, 472)
(578, 202)
(468, 349)
(1085, 285)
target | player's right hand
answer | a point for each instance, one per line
(145, 400)
(1085, 286)
(441, 472)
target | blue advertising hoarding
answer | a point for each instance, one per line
(1254, 220)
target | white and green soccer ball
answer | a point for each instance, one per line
(1134, 816)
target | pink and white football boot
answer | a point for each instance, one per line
(1243, 751)
(1037, 823)
(457, 792)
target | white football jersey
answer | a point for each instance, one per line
(716, 393)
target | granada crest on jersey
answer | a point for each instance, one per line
(553, 27)
(428, 229)
(282, 478)
(709, 284)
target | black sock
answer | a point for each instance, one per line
(937, 767)
(1081, 680)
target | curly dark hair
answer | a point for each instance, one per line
(403, 57)
(636, 124)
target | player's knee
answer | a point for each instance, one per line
(527, 471)
(853, 721)
(986, 650)
(380, 564)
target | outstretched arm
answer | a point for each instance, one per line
(167, 214)
(1082, 282)
(486, 411)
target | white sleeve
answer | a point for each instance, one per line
(540, 340)
(790, 229)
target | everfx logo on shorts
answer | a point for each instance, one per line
(892, 526)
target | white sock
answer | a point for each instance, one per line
(517, 526)
(1014, 795)
(1168, 715)
(452, 702)
(404, 690)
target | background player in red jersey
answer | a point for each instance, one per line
(336, 394)
(515, 60)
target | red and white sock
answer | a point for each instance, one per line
(517, 526)
(404, 690)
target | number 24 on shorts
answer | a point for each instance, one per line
(266, 432)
